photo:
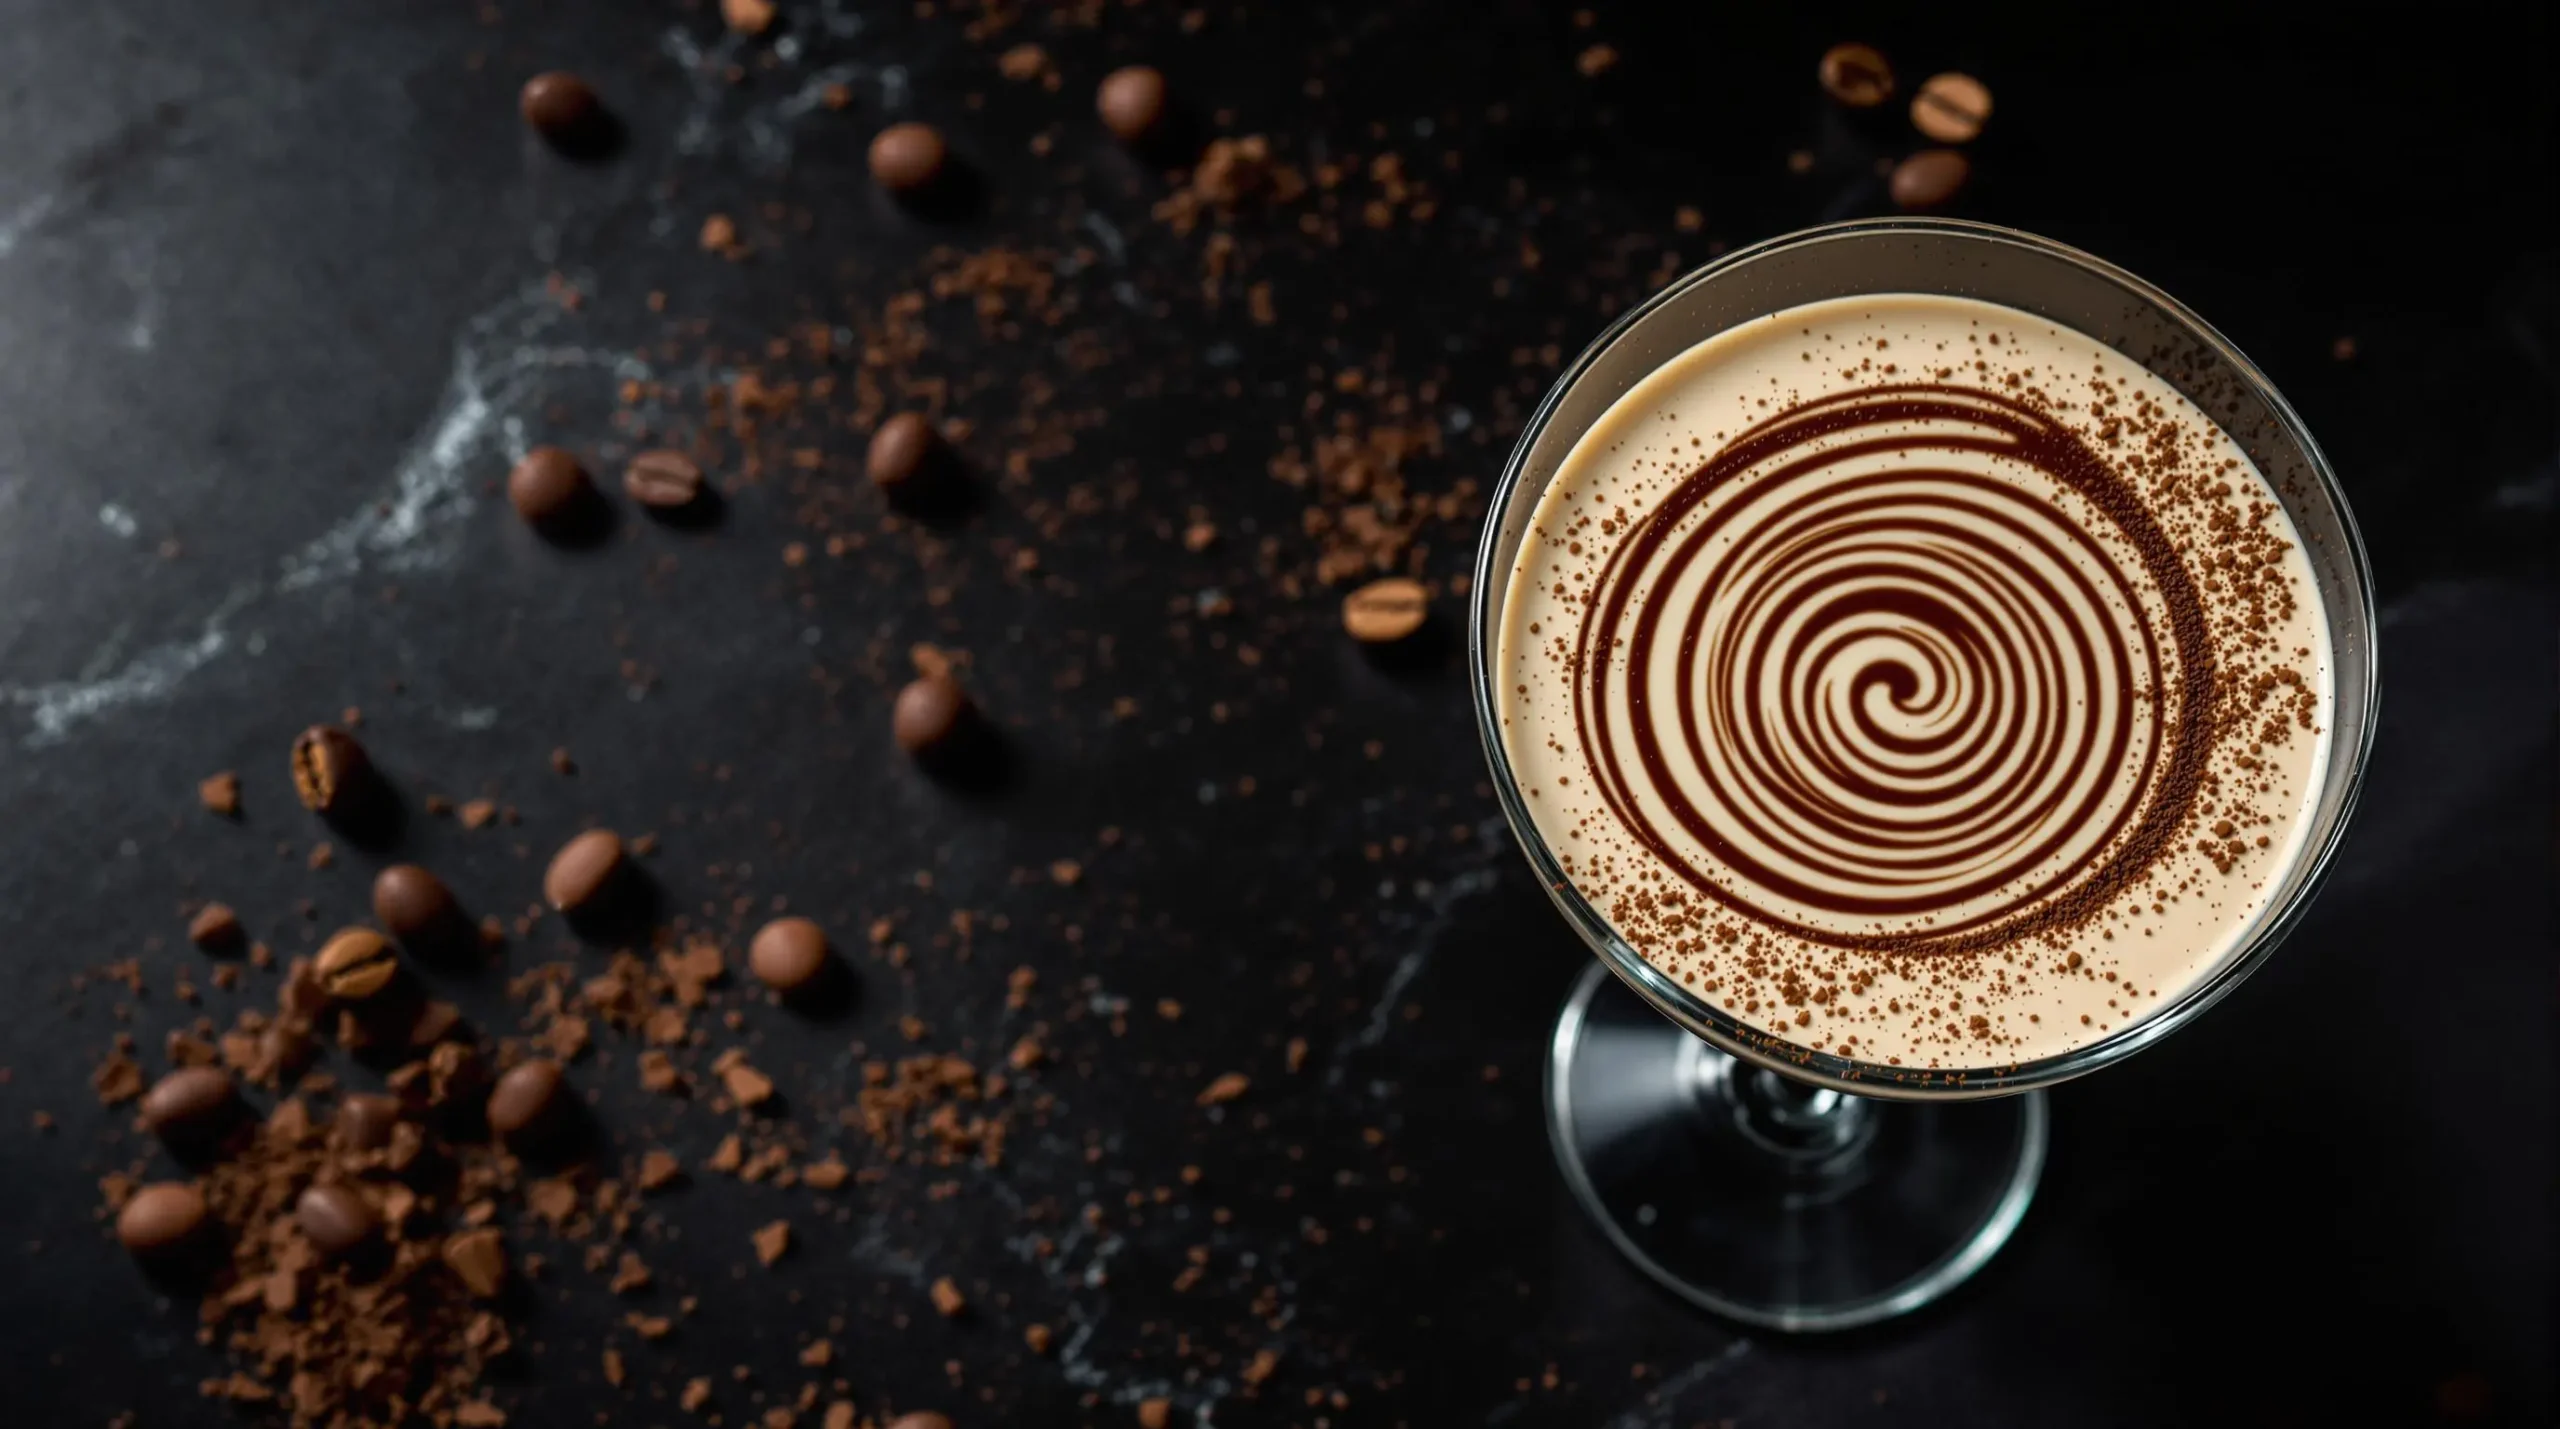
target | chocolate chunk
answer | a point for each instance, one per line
(215, 928)
(330, 770)
(337, 1219)
(1929, 179)
(1951, 108)
(663, 479)
(1385, 610)
(191, 1105)
(1856, 75)
(477, 1258)
(931, 715)
(356, 964)
(902, 453)
(548, 486)
(907, 158)
(412, 903)
(160, 1218)
(526, 1099)
(583, 872)
(559, 105)
(1131, 102)
(788, 954)
(365, 1120)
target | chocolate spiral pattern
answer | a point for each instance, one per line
(1898, 696)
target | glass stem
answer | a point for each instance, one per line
(1810, 1131)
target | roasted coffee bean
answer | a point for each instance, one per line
(526, 1098)
(477, 1258)
(355, 964)
(1856, 75)
(1131, 102)
(1385, 610)
(559, 105)
(1929, 179)
(583, 872)
(901, 452)
(190, 1104)
(329, 768)
(907, 158)
(365, 1120)
(160, 1218)
(788, 954)
(215, 928)
(1951, 108)
(412, 903)
(547, 486)
(663, 479)
(930, 714)
(336, 1219)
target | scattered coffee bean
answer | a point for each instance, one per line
(365, 1120)
(1385, 610)
(583, 871)
(663, 479)
(477, 1258)
(1856, 75)
(930, 713)
(547, 485)
(788, 954)
(356, 964)
(337, 1219)
(329, 768)
(1131, 102)
(215, 928)
(1951, 108)
(907, 158)
(160, 1218)
(559, 105)
(901, 451)
(525, 1098)
(412, 903)
(190, 1104)
(1929, 179)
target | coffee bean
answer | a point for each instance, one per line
(663, 479)
(559, 105)
(930, 714)
(1929, 179)
(788, 954)
(547, 486)
(160, 1218)
(1951, 108)
(477, 1258)
(337, 1219)
(355, 964)
(526, 1098)
(215, 928)
(583, 871)
(365, 1120)
(907, 158)
(1856, 75)
(1385, 610)
(900, 452)
(412, 903)
(329, 769)
(190, 1104)
(1131, 102)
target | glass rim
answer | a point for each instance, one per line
(2349, 749)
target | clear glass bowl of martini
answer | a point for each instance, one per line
(1925, 663)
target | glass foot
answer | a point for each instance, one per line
(1766, 1201)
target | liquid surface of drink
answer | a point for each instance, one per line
(1916, 680)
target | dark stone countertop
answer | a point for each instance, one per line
(273, 295)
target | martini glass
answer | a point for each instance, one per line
(1799, 1190)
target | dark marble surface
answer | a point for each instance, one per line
(272, 288)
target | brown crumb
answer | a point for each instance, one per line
(772, 1241)
(947, 1298)
(1227, 1087)
(220, 794)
